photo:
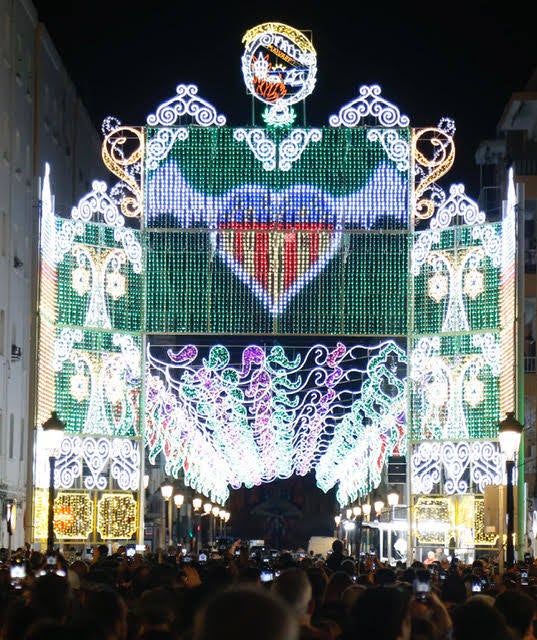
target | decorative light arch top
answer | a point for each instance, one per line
(369, 103)
(186, 103)
(279, 67)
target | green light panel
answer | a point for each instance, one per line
(97, 381)
(97, 286)
(362, 291)
(455, 386)
(234, 243)
(457, 288)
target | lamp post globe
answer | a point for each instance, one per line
(509, 435)
(52, 431)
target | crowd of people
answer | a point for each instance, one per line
(234, 595)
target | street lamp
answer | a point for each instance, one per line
(510, 434)
(11, 521)
(167, 492)
(359, 518)
(366, 510)
(179, 499)
(337, 520)
(393, 498)
(196, 504)
(52, 435)
(379, 506)
(393, 501)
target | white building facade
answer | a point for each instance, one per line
(41, 120)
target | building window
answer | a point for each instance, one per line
(22, 441)
(2, 330)
(11, 435)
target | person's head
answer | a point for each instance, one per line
(294, 587)
(336, 585)
(518, 610)
(337, 546)
(476, 619)
(380, 613)
(348, 566)
(51, 597)
(318, 580)
(105, 609)
(101, 551)
(385, 576)
(80, 568)
(244, 612)
(156, 609)
(453, 589)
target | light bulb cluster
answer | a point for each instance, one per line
(456, 287)
(456, 387)
(261, 413)
(117, 516)
(73, 515)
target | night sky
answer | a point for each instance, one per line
(457, 59)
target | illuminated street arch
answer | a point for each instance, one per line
(258, 302)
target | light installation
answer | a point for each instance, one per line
(251, 303)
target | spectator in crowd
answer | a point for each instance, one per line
(518, 610)
(477, 619)
(335, 559)
(245, 613)
(294, 587)
(369, 618)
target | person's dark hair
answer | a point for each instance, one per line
(103, 550)
(245, 612)
(379, 614)
(46, 629)
(336, 585)
(518, 610)
(423, 629)
(348, 566)
(337, 546)
(294, 586)
(453, 589)
(104, 609)
(249, 574)
(318, 582)
(156, 607)
(17, 619)
(476, 619)
(384, 577)
(51, 597)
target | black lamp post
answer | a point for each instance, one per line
(11, 521)
(53, 430)
(510, 433)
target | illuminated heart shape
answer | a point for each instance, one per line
(276, 260)
(276, 241)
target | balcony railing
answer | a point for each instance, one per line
(529, 364)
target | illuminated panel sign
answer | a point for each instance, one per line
(274, 242)
(279, 66)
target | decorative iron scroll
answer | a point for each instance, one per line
(186, 103)
(369, 103)
(430, 167)
(122, 153)
(455, 467)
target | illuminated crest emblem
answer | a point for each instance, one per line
(279, 66)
